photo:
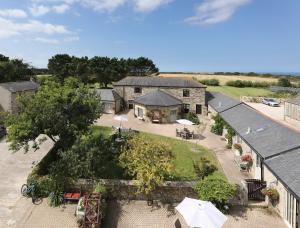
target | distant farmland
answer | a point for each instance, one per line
(222, 78)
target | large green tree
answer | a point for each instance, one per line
(62, 112)
(141, 67)
(148, 161)
(61, 66)
(14, 70)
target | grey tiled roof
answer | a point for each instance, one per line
(221, 102)
(266, 137)
(158, 98)
(295, 101)
(108, 95)
(159, 82)
(286, 167)
(20, 86)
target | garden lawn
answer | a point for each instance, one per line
(185, 153)
(236, 93)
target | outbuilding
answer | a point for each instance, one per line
(9, 92)
(292, 109)
(111, 101)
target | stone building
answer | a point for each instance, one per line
(191, 94)
(274, 150)
(292, 109)
(11, 90)
(111, 101)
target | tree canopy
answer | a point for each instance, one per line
(147, 161)
(62, 112)
(103, 70)
(14, 69)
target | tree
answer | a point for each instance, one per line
(62, 112)
(204, 168)
(141, 67)
(14, 70)
(284, 82)
(61, 66)
(80, 68)
(215, 190)
(147, 161)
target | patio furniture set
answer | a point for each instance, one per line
(185, 134)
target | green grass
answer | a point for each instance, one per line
(236, 93)
(185, 153)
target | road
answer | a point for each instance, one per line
(14, 169)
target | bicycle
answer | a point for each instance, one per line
(29, 191)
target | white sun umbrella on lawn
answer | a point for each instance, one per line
(121, 118)
(201, 214)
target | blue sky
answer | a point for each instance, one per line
(179, 35)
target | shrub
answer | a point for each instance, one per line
(238, 147)
(204, 168)
(210, 82)
(247, 158)
(218, 126)
(56, 199)
(44, 185)
(284, 82)
(100, 189)
(191, 116)
(242, 84)
(217, 191)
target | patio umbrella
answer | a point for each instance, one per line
(202, 214)
(185, 122)
(121, 118)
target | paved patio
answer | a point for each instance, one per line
(207, 139)
(136, 214)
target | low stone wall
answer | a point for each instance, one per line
(170, 191)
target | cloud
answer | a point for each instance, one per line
(39, 10)
(13, 13)
(103, 5)
(54, 41)
(60, 9)
(47, 40)
(215, 11)
(149, 5)
(9, 28)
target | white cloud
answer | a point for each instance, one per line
(149, 5)
(215, 11)
(71, 38)
(47, 40)
(9, 28)
(103, 5)
(60, 9)
(13, 13)
(39, 10)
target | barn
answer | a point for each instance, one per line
(111, 100)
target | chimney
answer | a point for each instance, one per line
(248, 130)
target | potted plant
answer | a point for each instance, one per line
(238, 149)
(272, 195)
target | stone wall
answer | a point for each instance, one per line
(170, 191)
(197, 95)
(5, 99)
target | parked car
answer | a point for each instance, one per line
(2, 131)
(270, 102)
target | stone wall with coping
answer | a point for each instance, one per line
(170, 191)
(197, 95)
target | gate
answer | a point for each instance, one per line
(254, 189)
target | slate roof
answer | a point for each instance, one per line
(158, 98)
(287, 169)
(159, 82)
(108, 95)
(221, 102)
(295, 101)
(266, 137)
(20, 86)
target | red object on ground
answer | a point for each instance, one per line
(72, 196)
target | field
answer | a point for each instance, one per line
(238, 92)
(222, 78)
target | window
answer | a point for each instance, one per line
(186, 93)
(140, 113)
(258, 161)
(198, 109)
(186, 108)
(137, 90)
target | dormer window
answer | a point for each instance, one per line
(137, 90)
(186, 93)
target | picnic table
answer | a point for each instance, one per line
(185, 133)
